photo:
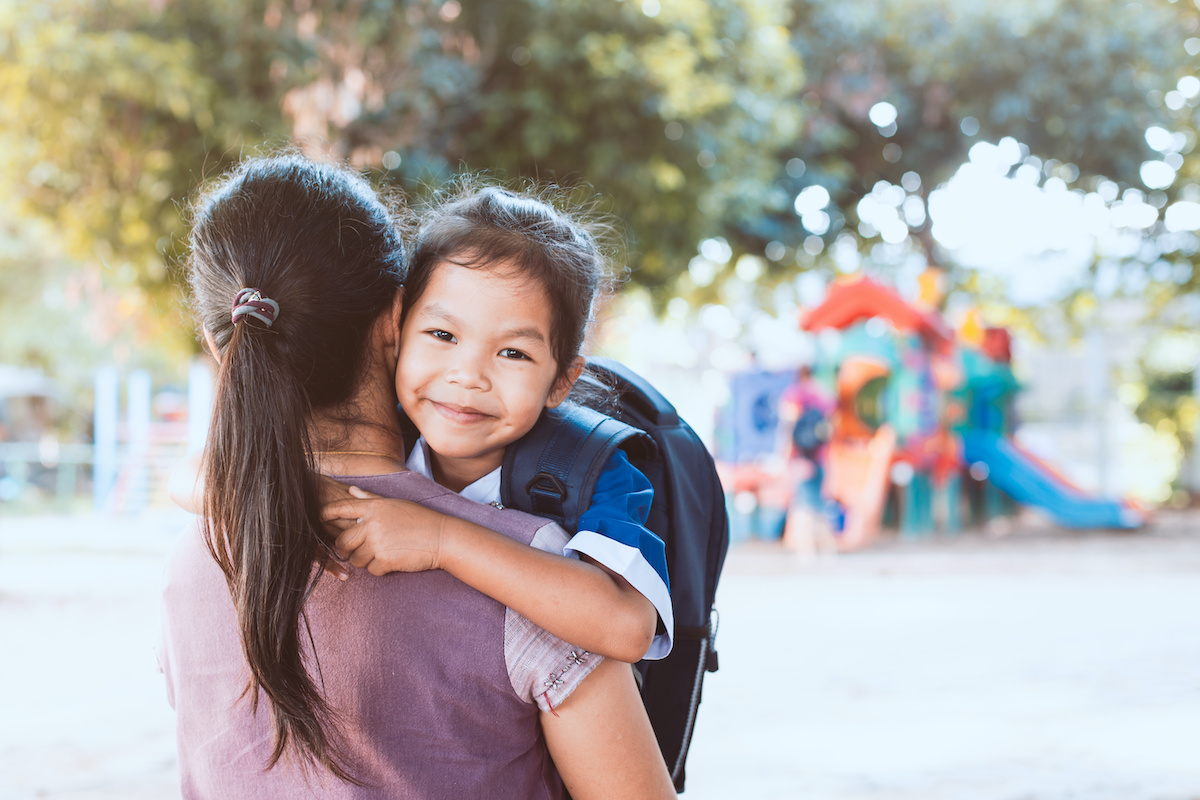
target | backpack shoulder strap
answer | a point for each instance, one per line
(552, 470)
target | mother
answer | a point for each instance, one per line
(287, 683)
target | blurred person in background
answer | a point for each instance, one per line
(805, 412)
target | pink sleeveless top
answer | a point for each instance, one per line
(438, 685)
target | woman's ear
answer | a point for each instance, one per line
(562, 388)
(211, 344)
(394, 327)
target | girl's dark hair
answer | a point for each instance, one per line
(317, 240)
(484, 227)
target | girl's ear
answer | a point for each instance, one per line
(563, 387)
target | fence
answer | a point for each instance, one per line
(127, 466)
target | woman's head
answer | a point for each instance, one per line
(315, 239)
(292, 264)
(493, 228)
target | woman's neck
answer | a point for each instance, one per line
(362, 436)
(364, 447)
(358, 462)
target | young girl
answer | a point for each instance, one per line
(496, 307)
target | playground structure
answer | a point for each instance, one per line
(135, 444)
(922, 432)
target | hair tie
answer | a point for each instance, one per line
(251, 303)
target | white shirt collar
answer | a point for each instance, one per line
(484, 490)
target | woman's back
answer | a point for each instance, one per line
(419, 667)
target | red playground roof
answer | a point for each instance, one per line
(850, 301)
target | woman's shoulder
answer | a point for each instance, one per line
(415, 487)
(190, 546)
(192, 575)
(404, 485)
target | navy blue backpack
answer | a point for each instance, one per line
(552, 472)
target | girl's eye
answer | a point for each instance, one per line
(442, 336)
(513, 353)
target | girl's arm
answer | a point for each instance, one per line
(612, 533)
(601, 740)
(577, 601)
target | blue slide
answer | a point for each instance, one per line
(1028, 482)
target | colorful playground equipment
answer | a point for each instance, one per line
(922, 432)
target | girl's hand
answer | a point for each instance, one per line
(383, 535)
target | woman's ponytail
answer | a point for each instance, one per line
(291, 264)
(263, 528)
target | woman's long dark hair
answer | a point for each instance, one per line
(317, 240)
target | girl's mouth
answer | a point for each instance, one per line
(460, 414)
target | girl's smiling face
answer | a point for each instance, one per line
(476, 366)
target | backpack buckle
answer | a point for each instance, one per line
(548, 495)
(544, 484)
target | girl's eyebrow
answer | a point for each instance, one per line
(527, 332)
(438, 312)
(531, 333)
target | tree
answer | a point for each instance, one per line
(688, 120)
(111, 114)
(898, 92)
(676, 117)
(671, 115)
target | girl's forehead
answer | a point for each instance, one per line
(461, 270)
(483, 291)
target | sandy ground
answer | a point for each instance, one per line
(1023, 664)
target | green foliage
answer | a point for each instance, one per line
(1077, 82)
(673, 121)
(687, 120)
(112, 112)
(677, 118)
(110, 115)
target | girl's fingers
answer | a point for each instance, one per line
(335, 526)
(332, 490)
(345, 509)
(337, 570)
(350, 540)
(362, 494)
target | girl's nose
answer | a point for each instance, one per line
(469, 371)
